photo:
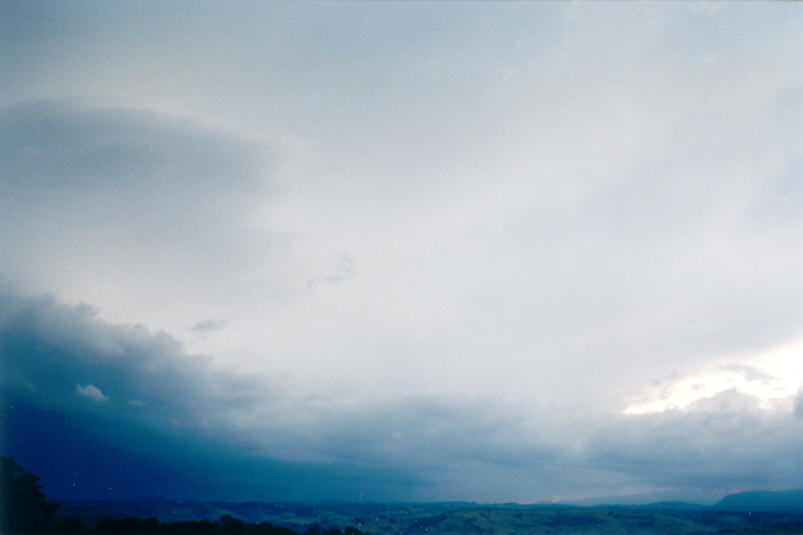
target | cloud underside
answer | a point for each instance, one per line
(444, 446)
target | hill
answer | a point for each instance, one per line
(773, 501)
(460, 518)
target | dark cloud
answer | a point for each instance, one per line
(49, 348)
(98, 458)
(721, 444)
(116, 397)
(167, 419)
(162, 403)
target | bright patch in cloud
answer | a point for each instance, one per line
(772, 377)
(92, 392)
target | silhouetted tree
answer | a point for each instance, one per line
(23, 506)
(231, 524)
(71, 524)
(127, 525)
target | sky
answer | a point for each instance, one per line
(531, 252)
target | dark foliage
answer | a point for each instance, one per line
(227, 525)
(23, 506)
(24, 510)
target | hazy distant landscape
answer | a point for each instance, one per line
(26, 510)
(772, 513)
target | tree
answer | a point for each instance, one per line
(23, 506)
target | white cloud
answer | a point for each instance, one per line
(771, 377)
(91, 392)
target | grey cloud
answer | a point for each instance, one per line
(473, 449)
(110, 201)
(720, 444)
(751, 373)
(208, 325)
(78, 154)
(343, 269)
(439, 430)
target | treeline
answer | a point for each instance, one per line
(227, 525)
(25, 510)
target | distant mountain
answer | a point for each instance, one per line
(771, 501)
(656, 506)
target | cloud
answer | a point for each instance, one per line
(429, 444)
(126, 206)
(54, 346)
(208, 325)
(91, 392)
(542, 219)
(448, 446)
(198, 417)
(751, 373)
(342, 270)
(723, 444)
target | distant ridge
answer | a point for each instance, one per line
(771, 501)
(467, 518)
(655, 506)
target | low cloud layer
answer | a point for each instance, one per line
(144, 385)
